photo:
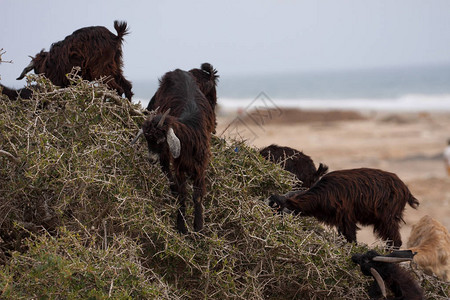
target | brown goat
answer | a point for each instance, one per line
(206, 78)
(95, 49)
(296, 162)
(347, 197)
(431, 240)
(388, 274)
(181, 137)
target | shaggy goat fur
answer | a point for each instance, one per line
(191, 121)
(96, 50)
(296, 162)
(431, 240)
(395, 278)
(347, 197)
(206, 78)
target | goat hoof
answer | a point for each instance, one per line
(198, 227)
(182, 230)
(181, 227)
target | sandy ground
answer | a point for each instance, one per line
(408, 144)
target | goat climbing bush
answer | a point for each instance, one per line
(82, 210)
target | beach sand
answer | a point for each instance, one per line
(408, 144)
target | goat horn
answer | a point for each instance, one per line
(26, 70)
(141, 131)
(379, 281)
(161, 122)
(388, 259)
(174, 143)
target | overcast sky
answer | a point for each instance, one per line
(237, 37)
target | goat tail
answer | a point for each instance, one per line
(322, 170)
(413, 202)
(209, 69)
(121, 28)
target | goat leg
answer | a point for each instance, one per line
(125, 85)
(180, 187)
(389, 232)
(181, 221)
(173, 184)
(198, 216)
(348, 230)
(198, 207)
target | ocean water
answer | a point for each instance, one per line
(425, 88)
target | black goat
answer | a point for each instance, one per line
(181, 136)
(296, 162)
(347, 197)
(95, 49)
(206, 78)
(13, 94)
(387, 274)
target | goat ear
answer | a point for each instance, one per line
(26, 70)
(379, 281)
(174, 143)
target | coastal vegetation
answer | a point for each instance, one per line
(84, 215)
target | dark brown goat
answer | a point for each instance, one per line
(296, 162)
(347, 197)
(206, 78)
(95, 49)
(13, 94)
(387, 274)
(181, 137)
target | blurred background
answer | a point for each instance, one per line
(302, 53)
